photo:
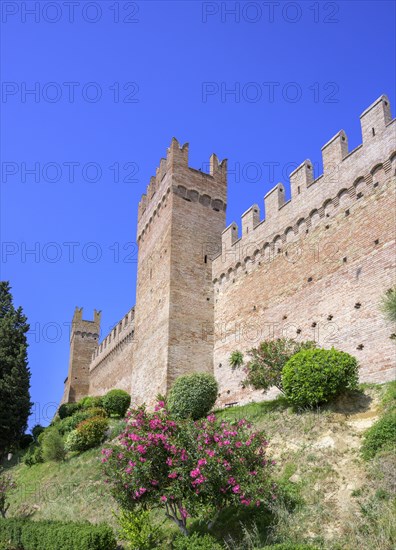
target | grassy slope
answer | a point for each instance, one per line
(318, 464)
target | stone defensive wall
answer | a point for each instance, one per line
(111, 364)
(317, 265)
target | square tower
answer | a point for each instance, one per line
(180, 221)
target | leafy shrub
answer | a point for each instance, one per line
(196, 542)
(380, 437)
(91, 433)
(66, 425)
(37, 430)
(51, 535)
(89, 402)
(67, 409)
(116, 402)
(96, 411)
(25, 441)
(34, 455)
(73, 442)
(187, 468)
(193, 395)
(138, 530)
(264, 369)
(388, 304)
(316, 376)
(53, 446)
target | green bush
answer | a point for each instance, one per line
(388, 305)
(37, 430)
(34, 455)
(96, 411)
(316, 376)
(264, 367)
(89, 433)
(138, 530)
(56, 535)
(380, 437)
(66, 425)
(68, 409)
(116, 402)
(193, 395)
(73, 442)
(53, 446)
(196, 542)
(89, 402)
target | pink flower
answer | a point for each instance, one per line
(173, 475)
(209, 452)
(183, 512)
(245, 501)
(195, 473)
(236, 489)
(169, 461)
(202, 462)
(163, 498)
(238, 444)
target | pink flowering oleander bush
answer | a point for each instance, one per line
(191, 469)
(7, 484)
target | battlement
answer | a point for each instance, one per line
(122, 330)
(347, 176)
(174, 172)
(83, 326)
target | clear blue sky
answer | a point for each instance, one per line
(168, 72)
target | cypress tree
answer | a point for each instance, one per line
(15, 402)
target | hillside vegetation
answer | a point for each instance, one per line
(332, 497)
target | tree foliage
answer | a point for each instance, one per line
(190, 469)
(316, 376)
(388, 304)
(264, 367)
(193, 395)
(15, 402)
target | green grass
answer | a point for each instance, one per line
(72, 490)
(328, 494)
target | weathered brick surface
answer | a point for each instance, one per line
(315, 268)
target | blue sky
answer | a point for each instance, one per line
(264, 85)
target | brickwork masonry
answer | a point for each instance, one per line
(314, 268)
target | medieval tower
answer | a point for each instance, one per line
(315, 267)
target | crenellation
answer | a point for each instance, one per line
(301, 178)
(333, 153)
(273, 201)
(204, 291)
(375, 119)
(250, 219)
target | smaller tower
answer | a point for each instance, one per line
(84, 337)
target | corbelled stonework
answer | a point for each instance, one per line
(314, 268)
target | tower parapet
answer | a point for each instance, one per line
(174, 175)
(84, 337)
